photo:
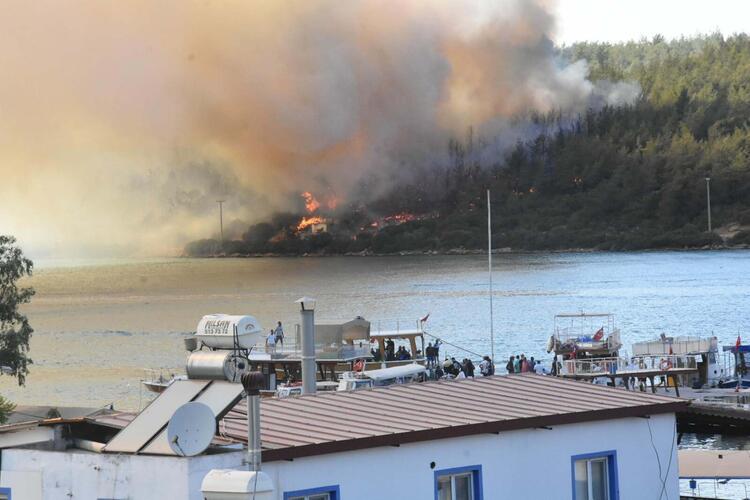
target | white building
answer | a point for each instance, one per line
(518, 436)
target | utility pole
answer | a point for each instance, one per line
(221, 219)
(708, 201)
(489, 267)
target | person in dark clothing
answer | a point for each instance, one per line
(430, 354)
(468, 368)
(509, 367)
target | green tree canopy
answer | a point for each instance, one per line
(15, 331)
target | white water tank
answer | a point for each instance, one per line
(217, 331)
(227, 484)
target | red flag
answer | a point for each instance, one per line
(423, 320)
(671, 353)
(599, 334)
(739, 343)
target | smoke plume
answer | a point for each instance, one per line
(123, 123)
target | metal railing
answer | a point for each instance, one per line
(613, 365)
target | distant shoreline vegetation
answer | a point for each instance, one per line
(625, 178)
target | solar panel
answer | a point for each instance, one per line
(221, 396)
(155, 416)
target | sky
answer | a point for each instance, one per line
(623, 20)
(121, 127)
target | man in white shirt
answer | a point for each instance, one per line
(539, 369)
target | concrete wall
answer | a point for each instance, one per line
(85, 475)
(528, 464)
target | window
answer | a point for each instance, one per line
(324, 493)
(595, 476)
(463, 483)
(5, 494)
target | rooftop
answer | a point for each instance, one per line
(330, 422)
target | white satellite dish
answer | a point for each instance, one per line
(191, 429)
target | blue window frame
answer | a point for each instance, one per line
(5, 492)
(459, 483)
(334, 493)
(594, 476)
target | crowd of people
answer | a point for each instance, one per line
(452, 368)
(520, 364)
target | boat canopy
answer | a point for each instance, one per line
(395, 372)
(397, 334)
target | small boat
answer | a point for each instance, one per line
(159, 383)
(740, 374)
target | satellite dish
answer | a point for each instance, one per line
(191, 429)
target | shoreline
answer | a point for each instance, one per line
(462, 251)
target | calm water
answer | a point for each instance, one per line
(98, 325)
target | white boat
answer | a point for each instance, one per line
(704, 350)
(585, 335)
(404, 374)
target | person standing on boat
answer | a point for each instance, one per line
(486, 368)
(508, 368)
(271, 342)
(430, 354)
(517, 364)
(279, 334)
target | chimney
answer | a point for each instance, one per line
(307, 317)
(252, 382)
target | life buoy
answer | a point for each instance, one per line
(359, 365)
(665, 365)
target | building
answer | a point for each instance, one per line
(520, 436)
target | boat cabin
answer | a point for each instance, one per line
(388, 346)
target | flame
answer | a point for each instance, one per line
(311, 204)
(306, 222)
(400, 217)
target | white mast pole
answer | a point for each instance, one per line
(489, 266)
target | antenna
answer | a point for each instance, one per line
(489, 266)
(191, 429)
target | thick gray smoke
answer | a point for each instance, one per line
(123, 123)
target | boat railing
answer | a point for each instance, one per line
(360, 349)
(613, 365)
(395, 325)
(574, 334)
(662, 362)
(604, 366)
(678, 345)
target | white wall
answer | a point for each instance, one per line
(528, 464)
(85, 475)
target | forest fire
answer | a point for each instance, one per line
(311, 204)
(306, 222)
(401, 218)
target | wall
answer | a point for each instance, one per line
(529, 464)
(76, 474)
